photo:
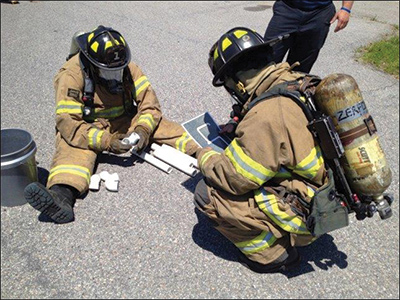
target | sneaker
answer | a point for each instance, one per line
(286, 261)
(54, 205)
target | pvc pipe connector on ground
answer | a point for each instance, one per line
(153, 161)
(174, 158)
(112, 182)
(104, 175)
(95, 182)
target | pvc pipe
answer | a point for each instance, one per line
(171, 158)
(132, 140)
(153, 161)
(191, 161)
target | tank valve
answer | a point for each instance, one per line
(383, 206)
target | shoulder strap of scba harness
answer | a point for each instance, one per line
(320, 125)
(322, 128)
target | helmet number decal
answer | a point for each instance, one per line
(116, 55)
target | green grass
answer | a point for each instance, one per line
(383, 54)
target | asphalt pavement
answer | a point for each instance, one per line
(147, 240)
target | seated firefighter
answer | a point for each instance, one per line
(254, 191)
(101, 97)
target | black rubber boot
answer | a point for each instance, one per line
(56, 203)
(286, 261)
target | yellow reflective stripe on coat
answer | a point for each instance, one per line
(94, 138)
(268, 203)
(181, 142)
(310, 166)
(69, 107)
(264, 240)
(246, 166)
(72, 170)
(141, 84)
(147, 119)
(206, 156)
(109, 113)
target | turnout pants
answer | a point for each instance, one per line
(74, 166)
(251, 221)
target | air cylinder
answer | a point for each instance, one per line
(364, 161)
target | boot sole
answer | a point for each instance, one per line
(40, 199)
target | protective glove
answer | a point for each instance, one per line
(229, 128)
(116, 146)
(144, 138)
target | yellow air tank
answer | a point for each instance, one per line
(364, 161)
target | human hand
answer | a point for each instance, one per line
(202, 150)
(116, 146)
(230, 127)
(144, 138)
(227, 128)
(342, 18)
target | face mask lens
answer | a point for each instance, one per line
(112, 80)
(110, 75)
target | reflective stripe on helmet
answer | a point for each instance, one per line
(240, 33)
(122, 39)
(90, 36)
(71, 170)
(95, 46)
(94, 138)
(268, 203)
(246, 166)
(226, 43)
(264, 240)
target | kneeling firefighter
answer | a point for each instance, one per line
(279, 184)
(101, 97)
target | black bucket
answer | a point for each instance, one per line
(18, 165)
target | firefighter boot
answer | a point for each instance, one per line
(56, 203)
(286, 261)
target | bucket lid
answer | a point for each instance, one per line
(16, 145)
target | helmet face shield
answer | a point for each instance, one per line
(112, 80)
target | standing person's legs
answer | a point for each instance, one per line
(311, 38)
(285, 20)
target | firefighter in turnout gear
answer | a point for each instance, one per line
(101, 97)
(257, 191)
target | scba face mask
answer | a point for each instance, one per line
(112, 80)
